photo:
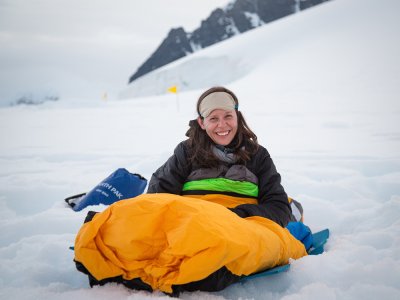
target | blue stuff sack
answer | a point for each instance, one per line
(119, 185)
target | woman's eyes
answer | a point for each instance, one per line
(215, 119)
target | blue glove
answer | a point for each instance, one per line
(301, 232)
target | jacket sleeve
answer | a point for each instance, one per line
(171, 176)
(272, 199)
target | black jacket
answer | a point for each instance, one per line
(272, 199)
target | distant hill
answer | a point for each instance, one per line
(223, 23)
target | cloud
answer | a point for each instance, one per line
(96, 43)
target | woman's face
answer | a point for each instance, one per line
(221, 126)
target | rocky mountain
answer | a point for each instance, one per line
(237, 17)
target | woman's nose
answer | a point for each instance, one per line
(221, 123)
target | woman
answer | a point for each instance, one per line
(222, 162)
(170, 243)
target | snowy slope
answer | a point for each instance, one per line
(314, 39)
(320, 89)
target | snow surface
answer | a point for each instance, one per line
(320, 89)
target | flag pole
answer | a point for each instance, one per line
(174, 89)
(177, 101)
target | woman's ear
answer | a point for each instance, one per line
(201, 122)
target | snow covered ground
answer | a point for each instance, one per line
(320, 89)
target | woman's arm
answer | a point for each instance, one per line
(272, 199)
(171, 176)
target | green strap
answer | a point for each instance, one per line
(222, 185)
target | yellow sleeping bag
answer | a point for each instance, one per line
(166, 240)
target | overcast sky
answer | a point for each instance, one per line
(83, 48)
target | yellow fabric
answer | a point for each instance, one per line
(168, 239)
(225, 200)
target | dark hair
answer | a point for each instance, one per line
(244, 143)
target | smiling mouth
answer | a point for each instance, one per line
(223, 133)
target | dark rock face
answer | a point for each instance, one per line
(238, 17)
(271, 10)
(310, 3)
(174, 46)
(213, 30)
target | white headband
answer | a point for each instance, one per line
(216, 100)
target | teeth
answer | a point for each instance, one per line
(223, 133)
